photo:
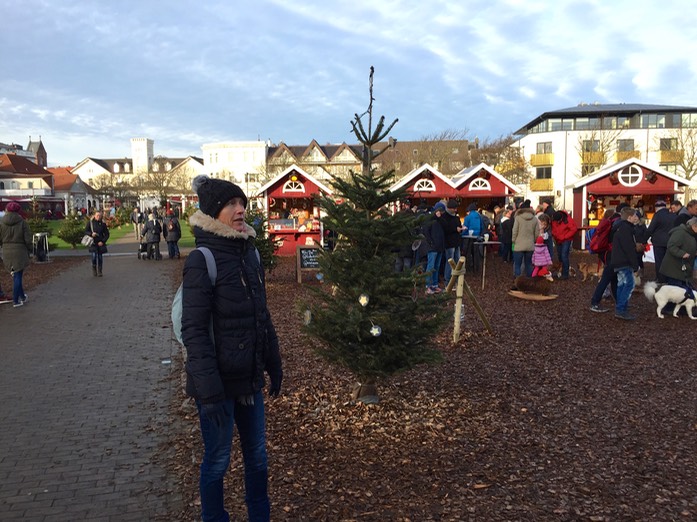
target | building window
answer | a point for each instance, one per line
(480, 184)
(544, 147)
(168, 166)
(668, 144)
(415, 152)
(625, 145)
(127, 168)
(116, 168)
(424, 185)
(155, 167)
(251, 177)
(588, 169)
(630, 176)
(591, 145)
(397, 165)
(2, 185)
(30, 184)
(671, 167)
(543, 173)
(653, 121)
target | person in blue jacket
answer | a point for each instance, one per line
(230, 343)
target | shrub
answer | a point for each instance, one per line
(72, 229)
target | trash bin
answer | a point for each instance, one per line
(41, 247)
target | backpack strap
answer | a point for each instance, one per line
(210, 263)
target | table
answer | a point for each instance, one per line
(485, 244)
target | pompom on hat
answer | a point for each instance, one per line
(13, 206)
(540, 241)
(214, 194)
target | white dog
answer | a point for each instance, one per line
(669, 294)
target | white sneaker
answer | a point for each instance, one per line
(25, 298)
(17, 305)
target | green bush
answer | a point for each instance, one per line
(38, 224)
(72, 229)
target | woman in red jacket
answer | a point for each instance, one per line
(564, 229)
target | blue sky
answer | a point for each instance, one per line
(89, 75)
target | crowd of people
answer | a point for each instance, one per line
(538, 243)
(151, 225)
(672, 233)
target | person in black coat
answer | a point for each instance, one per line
(172, 231)
(624, 260)
(230, 342)
(435, 241)
(658, 231)
(151, 233)
(100, 234)
(506, 235)
(450, 221)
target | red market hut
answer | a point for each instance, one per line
(481, 184)
(626, 182)
(294, 219)
(426, 185)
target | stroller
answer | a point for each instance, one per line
(142, 250)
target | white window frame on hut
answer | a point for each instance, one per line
(293, 186)
(480, 184)
(630, 176)
(424, 185)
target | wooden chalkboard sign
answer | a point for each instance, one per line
(307, 259)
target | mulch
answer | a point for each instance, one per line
(562, 414)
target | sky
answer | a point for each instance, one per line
(89, 75)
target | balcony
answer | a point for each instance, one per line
(542, 160)
(622, 155)
(671, 156)
(593, 158)
(541, 185)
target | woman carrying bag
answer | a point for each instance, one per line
(100, 234)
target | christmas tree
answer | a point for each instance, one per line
(372, 320)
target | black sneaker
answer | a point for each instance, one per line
(625, 316)
(598, 308)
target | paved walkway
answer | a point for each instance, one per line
(85, 394)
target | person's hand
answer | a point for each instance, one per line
(216, 412)
(686, 256)
(276, 380)
(100, 243)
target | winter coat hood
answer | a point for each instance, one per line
(11, 218)
(218, 228)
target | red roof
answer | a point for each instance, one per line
(63, 178)
(21, 166)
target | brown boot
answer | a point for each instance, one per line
(94, 270)
(99, 271)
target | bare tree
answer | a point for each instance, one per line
(596, 147)
(505, 159)
(679, 147)
(162, 183)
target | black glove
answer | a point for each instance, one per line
(276, 379)
(216, 412)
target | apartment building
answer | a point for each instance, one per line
(563, 146)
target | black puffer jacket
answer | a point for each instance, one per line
(245, 339)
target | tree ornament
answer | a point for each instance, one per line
(307, 317)
(363, 299)
(320, 276)
(375, 331)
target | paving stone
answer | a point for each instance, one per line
(85, 396)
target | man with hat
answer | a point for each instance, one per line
(230, 343)
(658, 231)
(450, 222)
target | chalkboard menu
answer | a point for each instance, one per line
(307, 259)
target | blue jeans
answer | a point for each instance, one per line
(608, 277)
(518, 258)
(97, 258)
(17, 288)
(454, 254)
(563, 252)
(217, 443)
(172, 249)
(432, 268)
(625, 286)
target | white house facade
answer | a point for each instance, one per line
(563, 146)
(242, 162)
